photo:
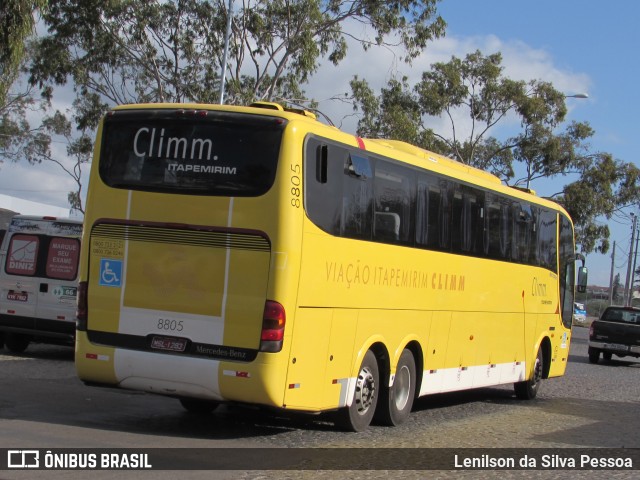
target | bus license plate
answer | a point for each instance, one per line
(616, 346)
(169, 343)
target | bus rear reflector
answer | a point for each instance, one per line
(273, 322)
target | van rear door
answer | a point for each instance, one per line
(57, 292)
(19, 287)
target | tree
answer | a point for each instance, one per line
(17, 20)
(20, 141)
(475, 89)
(164, 51)
(605, 186)
(136, 51)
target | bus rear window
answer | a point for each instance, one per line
(203, 153)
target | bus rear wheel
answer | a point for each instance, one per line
(359, 414)
(528, 389)
(396, 401)
(198, 405)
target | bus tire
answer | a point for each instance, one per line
(357, 417)
(528, 389)
(396, 401)
(594, 355)
(16, 342)
(198, 405)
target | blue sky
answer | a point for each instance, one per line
(579, 45)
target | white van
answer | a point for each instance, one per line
(39, 281)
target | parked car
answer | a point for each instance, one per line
(579, 313)
(616, 332)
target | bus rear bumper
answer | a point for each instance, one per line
(182, 376)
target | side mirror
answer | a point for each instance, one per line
(581, 286)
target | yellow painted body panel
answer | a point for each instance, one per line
(93, 362)
(152, 271)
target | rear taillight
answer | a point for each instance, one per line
(81, 310)
(591, 330)
(273, 322)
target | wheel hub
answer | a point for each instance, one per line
(365, 390)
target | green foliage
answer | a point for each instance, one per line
(129, 51)
(604, 185)
(16, 25)
(475, 90)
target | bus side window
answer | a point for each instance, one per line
(547, 240)
(357, 197)
(498, 235)
(505, 230)
(533, 234)
(445, 215)
(434, 215)
(492, 230)
(457, 220)
(422, 210)
(472, 222)
(387, 226)
(321, 163)
(394, 196)
(522, 229)
(323, 184)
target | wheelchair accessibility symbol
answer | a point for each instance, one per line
(110, 272)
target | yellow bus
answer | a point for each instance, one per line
(255, 255)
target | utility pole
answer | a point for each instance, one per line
(627, 289)
(633, 271)
(613, 260)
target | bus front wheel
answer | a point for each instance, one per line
(528, 389)
(396, 401)
(359, 414)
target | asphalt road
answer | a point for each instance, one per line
(43, 405)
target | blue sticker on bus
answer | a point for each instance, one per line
(110, 272)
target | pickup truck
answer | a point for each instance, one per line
(617, 332)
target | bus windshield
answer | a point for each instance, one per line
(208, 153)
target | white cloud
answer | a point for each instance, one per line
(45, 182)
